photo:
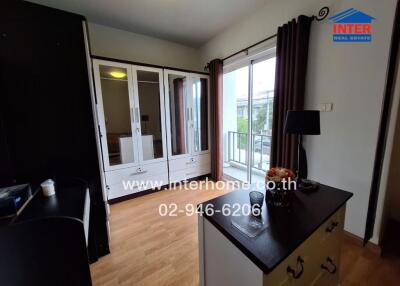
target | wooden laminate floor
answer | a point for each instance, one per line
(147, 249)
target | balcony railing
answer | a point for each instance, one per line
(238, 146)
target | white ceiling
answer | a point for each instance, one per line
(190, 22)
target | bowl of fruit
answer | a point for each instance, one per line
(280, 184)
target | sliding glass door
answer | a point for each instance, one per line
(262, 111)
(248, 112)
(235, 121)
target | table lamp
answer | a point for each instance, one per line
(304, 122)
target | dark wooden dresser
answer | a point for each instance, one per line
(300, 245)
(46, 243)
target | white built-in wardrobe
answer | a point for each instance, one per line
(154, 126)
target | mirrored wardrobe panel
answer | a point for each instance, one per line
(114, 92)
(153, 123)
(200, 113)
(149, 87)
(179, 112)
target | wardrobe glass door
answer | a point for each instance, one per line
(151, 105)
(114, 90)
(178, 114)
(199, 114)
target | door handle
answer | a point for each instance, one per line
(139, 171)
(188, 113)
(133, 115)
(137, 115)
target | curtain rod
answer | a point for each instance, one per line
(322, 14)
(245, 50)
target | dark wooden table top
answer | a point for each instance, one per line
(288, 227)
(69, 201)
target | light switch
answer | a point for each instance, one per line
(325, 107)
(328, 107)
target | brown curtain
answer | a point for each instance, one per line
(179, 104)
(216, 74)
(290, 76)
(204, 114)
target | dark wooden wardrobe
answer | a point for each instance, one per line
(46, 119)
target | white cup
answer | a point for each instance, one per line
(48, 188)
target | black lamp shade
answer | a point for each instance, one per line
(305, 122)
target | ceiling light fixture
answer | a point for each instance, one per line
(118, 74)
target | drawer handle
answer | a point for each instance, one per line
(330, 261)
(138, 172)
(331, 228)
(291, 271)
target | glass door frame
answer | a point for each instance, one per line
(252, 58)
(250, 144)
(167, 72)
(191, 80)
(101, 117)
(137, 113)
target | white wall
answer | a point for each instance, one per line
(119, 44)
(349, 75)
(352, 76)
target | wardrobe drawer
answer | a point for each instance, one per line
(204, 169)
(118, 190)
(131, 186)
(132, 180)
(204, 159)
(179, 164)
(182, 175)
(188, 162)
(139, 172)
(188, 173)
